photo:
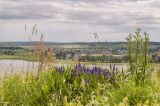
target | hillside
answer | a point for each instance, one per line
(113, 45)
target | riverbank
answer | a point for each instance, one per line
(27, 57)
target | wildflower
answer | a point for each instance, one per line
(125, 101)
(121, 104)
(146, 103)
(79, 103)
(110, 67)
(50, 104)
(114, 67)
(87, 81)
(36, 53)
(51, 55)
(65, 101)
(122, 73)
(71, 104)
(116, 71)
(105, 73)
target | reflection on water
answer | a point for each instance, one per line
(7, 66)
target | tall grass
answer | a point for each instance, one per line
(79, 85)
(138, 55)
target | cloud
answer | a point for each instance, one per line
(103, 16)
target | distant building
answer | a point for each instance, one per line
(68, 55)
(92, 52)
(97, 52)
(78, 55)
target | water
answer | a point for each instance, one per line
(12, 66)
(8, 66)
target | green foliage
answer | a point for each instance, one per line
(52, 87)
(135, 94)
(103, 59)
(63, 88)
(138, 55)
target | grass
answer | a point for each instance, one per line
(58, 86)
(28, 57)
(80, 85)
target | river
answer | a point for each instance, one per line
(12, 66)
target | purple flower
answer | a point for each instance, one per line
(110, 67)
(114, 67)
(122, 71)
(116, 71)
(61, 70)
(105, 73)
(88, 81)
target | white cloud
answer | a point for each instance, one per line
(80, 18)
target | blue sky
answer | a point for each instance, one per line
(77, 20)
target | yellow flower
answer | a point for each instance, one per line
(139, 104)
(65, 102)
(125, 101)
(146, 103)
(79, 103)
(121, 104)
(71, 104)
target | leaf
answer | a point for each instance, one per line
(45, 88)
(75, 84)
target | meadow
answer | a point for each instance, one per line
(82, 85)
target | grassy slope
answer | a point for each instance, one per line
(27, 57)
(112, 45)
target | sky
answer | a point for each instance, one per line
(78, 20)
